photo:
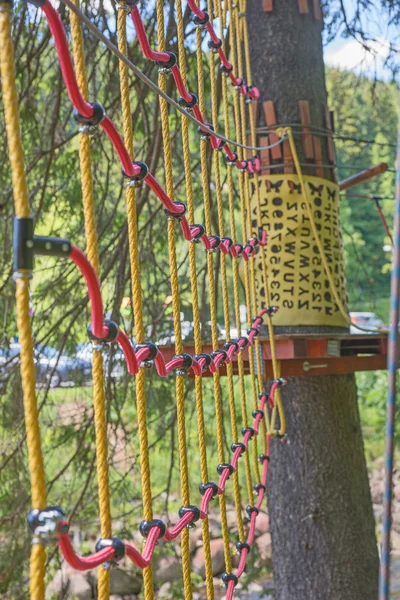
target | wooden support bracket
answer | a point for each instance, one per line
(362, 176)
(311, 354)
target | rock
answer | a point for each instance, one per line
(395, 540)
(79, 587)
(123, 582)
(217, 558)
(168, 568)
(58, 586)
(262, 523)
(195, 538)
(164, 590)
(263, 543)
(214, 527)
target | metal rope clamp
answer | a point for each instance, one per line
(164, 67)
(127, 5)
(119, 550)
(45, 524)
(186, 365)
(137, 180)
(90, 124)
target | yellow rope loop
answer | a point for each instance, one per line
(137, 298)
(99, 400)
(240, 125)
(225, 298)
(213, 303)
(21, 203)
(235, 275)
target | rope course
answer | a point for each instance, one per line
(226, 174)
(48, 524)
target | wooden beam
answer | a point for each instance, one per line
(319, 170)
(310, 354)
(303, 6)
(270, 120)
(308, 146)
(316, 9)
(268, 5)
(287, 157)
(362, 176)
(330, 146)
(265, 155)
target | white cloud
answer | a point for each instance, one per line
(351, 55)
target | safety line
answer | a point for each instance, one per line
(323, 132)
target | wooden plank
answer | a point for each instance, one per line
(319, 171)
(316, 9)
(250, 153)
(303, 6)
(255, 105)
(270, 120)
(307, 139)
(362, 176)
(287, 157)
(265, 155)
(330, 146)
(268, 5)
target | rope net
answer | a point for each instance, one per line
(215, 188)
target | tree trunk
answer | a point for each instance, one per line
(322, 524)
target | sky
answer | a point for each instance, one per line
(348, 53)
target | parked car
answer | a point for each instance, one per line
(85, 352)
(52, 368)
(367, 320)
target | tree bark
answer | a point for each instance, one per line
(322, 524)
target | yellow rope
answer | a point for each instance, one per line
(20, 191)
(213, 303)
(275, 366)
(235, 272)
(225, 294)
(180, 398)
(195, 307)
(99, 400)
(136, 296)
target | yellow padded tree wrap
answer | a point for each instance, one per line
(297, 279)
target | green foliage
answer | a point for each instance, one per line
(368, 110)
